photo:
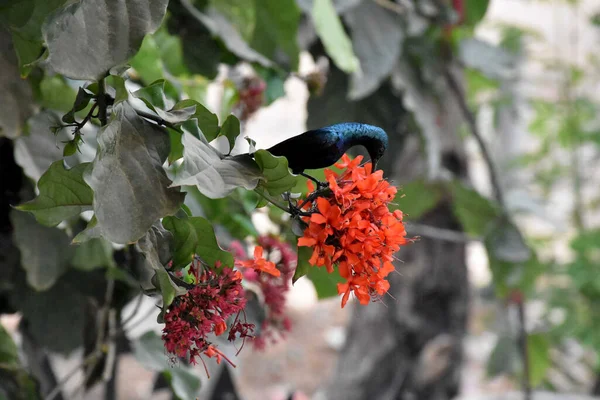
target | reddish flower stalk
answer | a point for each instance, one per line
(354, 229)
(204, 309)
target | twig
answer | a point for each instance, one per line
(392, 6)
(101, 101)
(524, 350)
(135, 310)
(273, 202)
(91, 358)
(156, 119)
(434, 232)
(470, 118)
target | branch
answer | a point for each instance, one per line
(447, 235)
(101, 101)
(156, 119)
(470, 118)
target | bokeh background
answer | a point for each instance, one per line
(499, 296)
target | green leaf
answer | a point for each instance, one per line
(149, 351)
(130, 186)
(45, 252)
(56, 93)
(167, 287)
(538, 349)
(25, 18)
(331, 31)
(95, 253)
(87, 29)
(55, 316)
(231, 130)
(324, 282)
(91, 231)
(62, 194)
(36, 152)
(416, 198)
(474, 211)
(475, 11)
(156, 246)
(241, 14)
(504, 358)
(277, 176)
(9, 355)
(303, 266)
(215, 175)
(377, 38)
(147, 62)
(195, 235)
(154, 96)
(185, 383)
(17, 104)
(276, 27)
(118, 84)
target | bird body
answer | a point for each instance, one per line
(322, 147)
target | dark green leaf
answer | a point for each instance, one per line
(45, 252)
(475, 11)
(538, 348)
(303, 267)
(195, 235)
(416, 198)
(130, 186)
(377, 37)
(91, 231)
(167, 287)
(154, 96)
(149, 351)
(70, 148)
(50, 311)
(215, 175)
(117, 84)
(9, 355)
(504, 358)
(38, 150)
(87, 29)
(231, 130)
(276, 28)
(17, 103)
(185, 383)
(219, 26)
(176, 147)
(62, 194)
(25, 18)
(324, 282)
(156, 246)
(95, 253)
(277, 176)
(475, 212)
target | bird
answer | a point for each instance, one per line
(322, 147)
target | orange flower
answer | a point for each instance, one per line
(259, 263)
(354, 228)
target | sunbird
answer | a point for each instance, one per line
(322, 147)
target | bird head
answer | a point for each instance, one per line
(376, 153)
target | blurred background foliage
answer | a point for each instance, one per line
(396, 64)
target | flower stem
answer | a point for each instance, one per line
(273, 202)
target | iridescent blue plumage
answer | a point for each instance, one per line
(320, 148)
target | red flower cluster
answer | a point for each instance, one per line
(204, 309)
(272, 286)
(354, 228)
